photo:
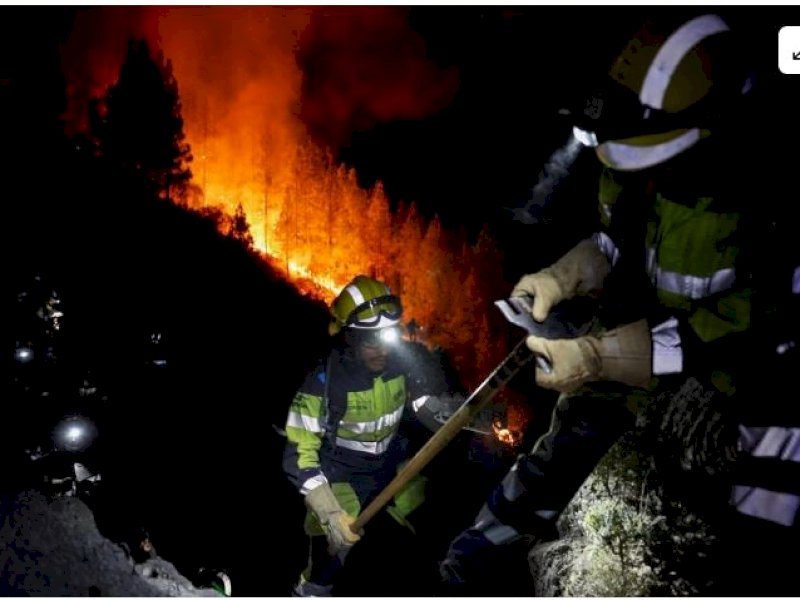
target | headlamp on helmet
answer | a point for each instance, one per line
(585, 137)
(386, 337)
(74, 434)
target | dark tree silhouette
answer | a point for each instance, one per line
(139, 128)
(240, 228)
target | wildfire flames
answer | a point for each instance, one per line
(249, 109)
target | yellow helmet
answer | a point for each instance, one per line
(365, 303)
(668, 87)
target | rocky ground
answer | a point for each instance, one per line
(642, 524)
(52, 547)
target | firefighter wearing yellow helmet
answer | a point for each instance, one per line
(344, 436)
(669, 220)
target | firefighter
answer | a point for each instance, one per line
(344, 440)
(667, 258)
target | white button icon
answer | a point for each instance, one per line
(789, 50)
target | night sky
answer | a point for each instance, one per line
(468, 143)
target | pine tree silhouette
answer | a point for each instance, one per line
(139, 128)
(240, 228)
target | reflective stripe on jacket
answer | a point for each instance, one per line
(768, 483)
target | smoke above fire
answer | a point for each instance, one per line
(328, 70)
(364, 65)
(259, 88)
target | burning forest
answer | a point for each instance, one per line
(265, 95)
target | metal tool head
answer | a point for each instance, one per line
(517, 310)
(566, 320)
(569, 319)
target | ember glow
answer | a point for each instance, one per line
(509, 430)
(261, 88)
(506, 435)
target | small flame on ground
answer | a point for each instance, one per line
(507, 435)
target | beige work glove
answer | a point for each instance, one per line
(333, 518)
(623, 354)
(579, 272)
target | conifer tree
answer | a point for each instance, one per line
(139, 128)
(240, 228)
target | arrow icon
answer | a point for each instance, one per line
(789, 50)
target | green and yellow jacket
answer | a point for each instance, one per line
(344, 422)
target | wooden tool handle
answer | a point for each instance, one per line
(510, 366)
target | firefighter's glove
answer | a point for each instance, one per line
(580, 272)
(333, 518)
(623, 354)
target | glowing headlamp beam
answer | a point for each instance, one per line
(389, 335)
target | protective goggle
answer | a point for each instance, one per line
(369, 313)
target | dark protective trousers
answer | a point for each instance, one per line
(583, 428)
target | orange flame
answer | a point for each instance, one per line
(509, 436)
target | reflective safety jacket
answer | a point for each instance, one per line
(343, 424)
(686, 238)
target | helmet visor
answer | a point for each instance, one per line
(369, 313)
